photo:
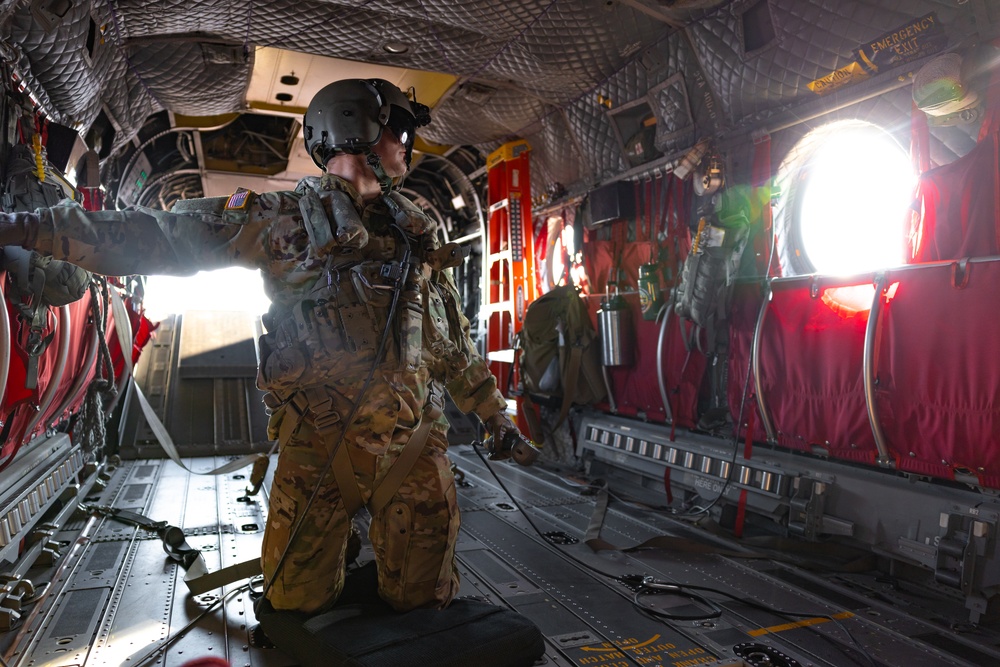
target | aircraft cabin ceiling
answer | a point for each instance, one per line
(598, 87)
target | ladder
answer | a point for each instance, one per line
(509, 257)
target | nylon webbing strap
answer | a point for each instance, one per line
(531, 416)
(199, 580)
(123, 329)
(343, 472)
(163, 437)
(592, 538)
(196, 575)
(408, 457)
(156, 426)
(783, 550)
(669, 543)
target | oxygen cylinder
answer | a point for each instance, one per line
(614, 321)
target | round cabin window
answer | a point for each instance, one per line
(844, 191)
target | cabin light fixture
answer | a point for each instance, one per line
(289, 79)
(395, 47)
(283, 97)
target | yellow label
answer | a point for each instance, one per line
(507, 152)
(851, 73)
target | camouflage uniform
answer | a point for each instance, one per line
(328, 262)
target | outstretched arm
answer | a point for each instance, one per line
(140, 241)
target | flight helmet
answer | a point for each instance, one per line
(349, 116)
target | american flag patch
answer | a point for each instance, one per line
(239, 200)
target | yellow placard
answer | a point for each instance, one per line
(851, 73)
(507, 152)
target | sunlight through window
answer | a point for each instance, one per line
(231, 289)
(858, 185)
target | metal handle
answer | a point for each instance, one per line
(63, 321)
(869, 360)
(765, 416)
(665, 311)
(4, 345)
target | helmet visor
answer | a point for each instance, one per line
(401, 124)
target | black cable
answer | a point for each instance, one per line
(715, 611)
(648, 584)
(167, 641)
(475, 447)
(653, 585)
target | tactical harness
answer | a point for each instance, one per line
(344, 316)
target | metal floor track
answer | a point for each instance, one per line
(115, 596)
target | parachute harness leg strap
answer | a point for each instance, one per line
(328, 425)
(343, 467)
(433, 409)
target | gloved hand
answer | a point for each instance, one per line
(507, 441)
(499, 427)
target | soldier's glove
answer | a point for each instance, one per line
(506, 441)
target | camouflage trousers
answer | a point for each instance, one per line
(413, 536)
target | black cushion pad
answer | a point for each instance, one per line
(363, 631)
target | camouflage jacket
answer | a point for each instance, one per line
(320, 250)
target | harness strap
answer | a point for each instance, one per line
(199, 580)
(343, 472)
(326, 421)
(382, 494)
(317, 402)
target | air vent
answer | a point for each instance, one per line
(635, 126)
(758, 27)
(675, 124)
(222, 54)
(48, 13)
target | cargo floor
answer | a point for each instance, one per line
(115, 597)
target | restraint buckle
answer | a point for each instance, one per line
(319, 405)
(391, 271)
(434, 407)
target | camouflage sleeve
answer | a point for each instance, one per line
(149, 241)
(475, 388)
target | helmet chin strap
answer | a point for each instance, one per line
(384, 180)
